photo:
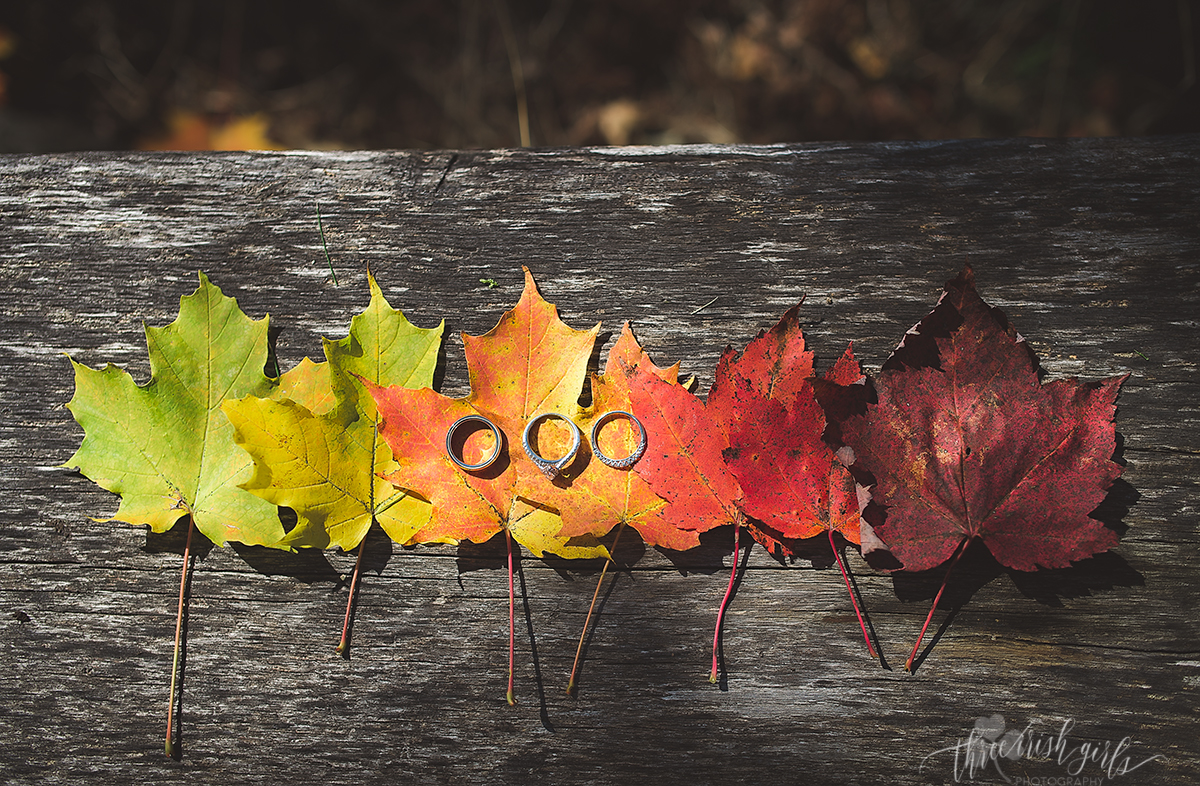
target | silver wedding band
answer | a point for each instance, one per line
(632, 458)
(490, 460)
(552, 469)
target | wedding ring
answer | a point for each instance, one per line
(490, 460)
(632, 458)
(551, 468)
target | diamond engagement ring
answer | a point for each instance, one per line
(487, 462)
(632, 458)
(551, 468)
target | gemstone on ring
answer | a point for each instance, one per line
(487, 462)
(632, 458)
(551, 468)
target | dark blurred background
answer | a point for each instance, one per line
(227, 74)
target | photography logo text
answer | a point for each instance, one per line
(1060, 760)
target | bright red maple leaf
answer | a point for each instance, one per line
(965, 442)
(793, 486)
(684, 464)
(791, 480)
(697, 448)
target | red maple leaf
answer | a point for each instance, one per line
(691, 441)
(966, 443)
(792, 483)
(793, 486)
(684, 464)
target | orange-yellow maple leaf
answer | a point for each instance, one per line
(529, 364)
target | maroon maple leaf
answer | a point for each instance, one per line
(965, 442)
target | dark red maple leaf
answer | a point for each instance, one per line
(966, 443)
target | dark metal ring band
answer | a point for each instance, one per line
(632, 458)
(486, 462)
(551, 469)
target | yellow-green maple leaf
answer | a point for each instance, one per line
(316, 445)
(166, 447)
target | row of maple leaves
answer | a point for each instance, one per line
(956, 439)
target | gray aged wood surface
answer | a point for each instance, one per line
(1092, 247)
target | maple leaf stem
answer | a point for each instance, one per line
(908, 664)
(171, 747)
(343, 647)
(591, 608)
(511, 624)
(712, 676)
(837, 554)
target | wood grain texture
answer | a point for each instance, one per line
(1091, 247)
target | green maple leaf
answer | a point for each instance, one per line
(166, 447)
(321, 454)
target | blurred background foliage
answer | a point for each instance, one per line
(230, 74)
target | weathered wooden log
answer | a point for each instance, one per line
(1092, 247)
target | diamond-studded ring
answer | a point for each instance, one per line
(632, 458)
(487, 462)
(551, 468)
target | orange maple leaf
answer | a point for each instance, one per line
(684, 461)
(597, 497)
(529, 364)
